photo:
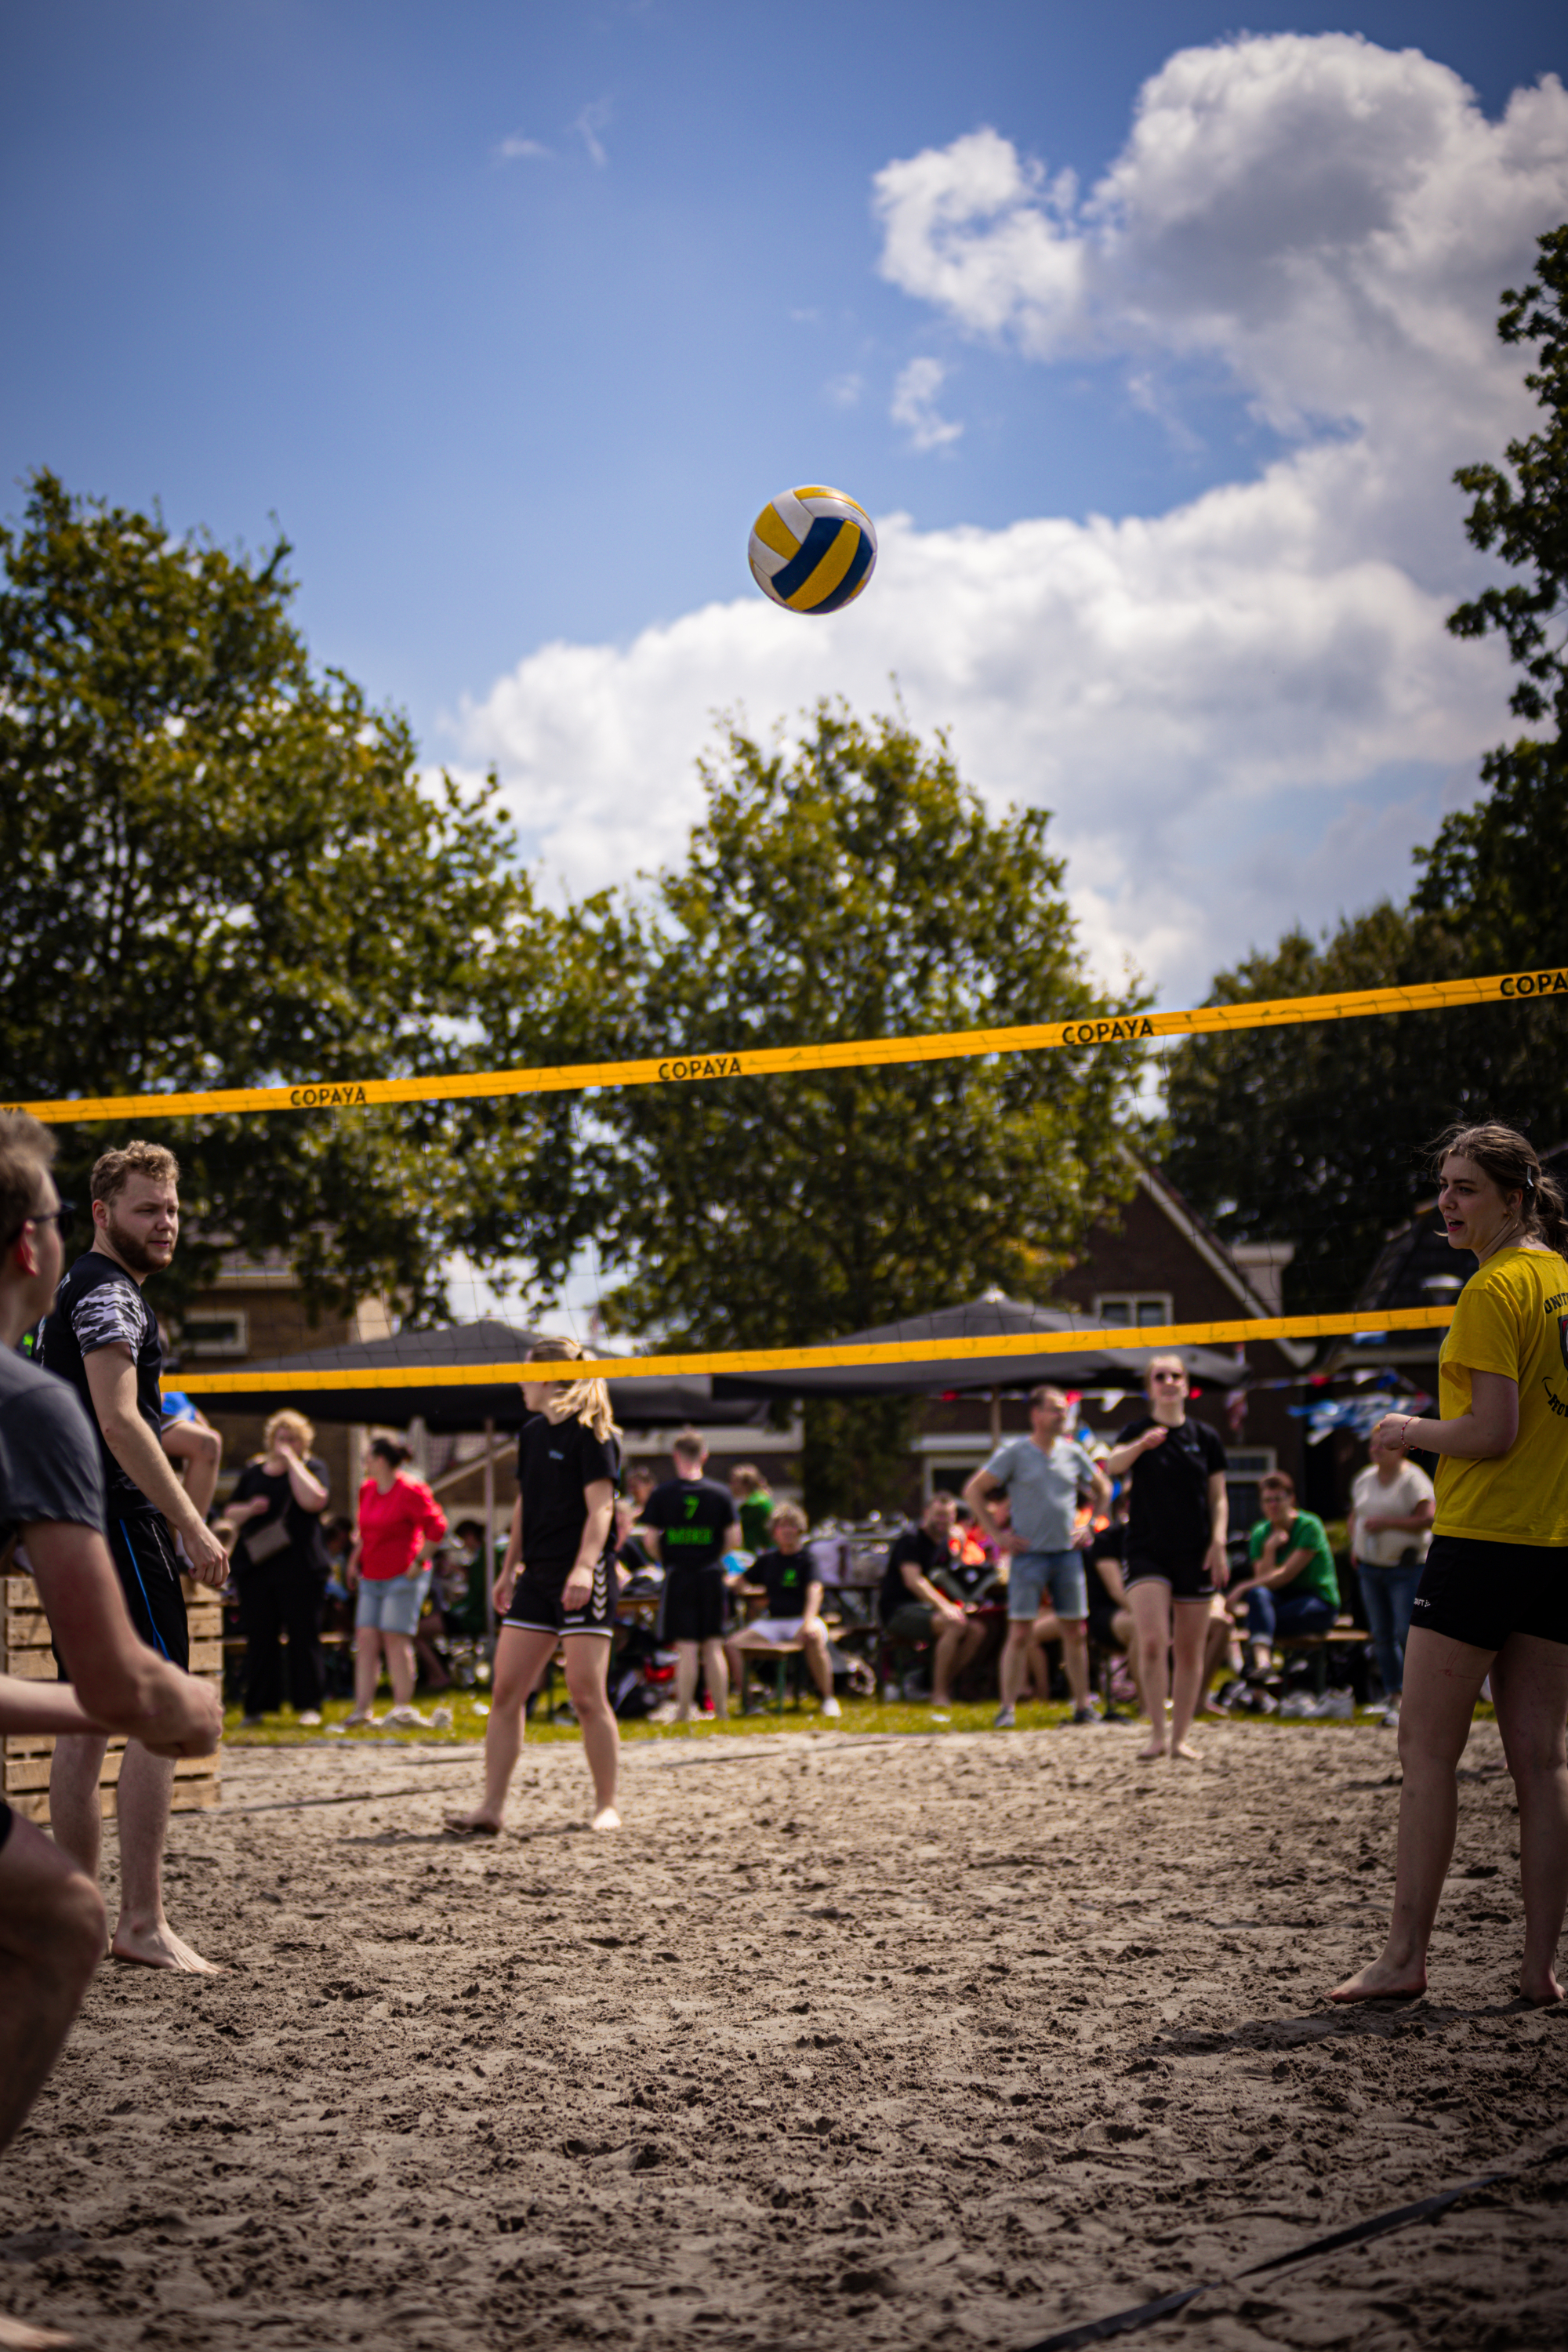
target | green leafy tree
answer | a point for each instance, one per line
(1318, 1134)
(223, 870)
(856, 889)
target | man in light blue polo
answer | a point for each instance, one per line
(1043, 1476)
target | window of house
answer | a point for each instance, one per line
(1147, 1309)
(226, 1334)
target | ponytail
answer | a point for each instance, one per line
(1510, 1161)
(584, 1401)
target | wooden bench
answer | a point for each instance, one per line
(29, 1655)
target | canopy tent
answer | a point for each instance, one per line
(1101, 1359)
(353, 1395)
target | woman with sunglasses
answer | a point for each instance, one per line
(1175, 1549)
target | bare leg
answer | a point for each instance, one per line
(1529, 1687)
(1125, 1632)
(52, 1935)
(400, 1666)
(955, 1645)
(1014, 1671)
(817, 1661)
(141, 1932)
(716, 1667)
(1075, 1658)
(75, 1816)
(735, 1664)
(587, 1665)
(1441, 1682)
(521, 1659)
(1192, 1625)
(367, 1670)
(1216, 1641)
(686, 1656)
(1150, 1601)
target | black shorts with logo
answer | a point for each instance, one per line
(1480, 1592)
(1186, 1573)
(537, 1606)
(149, 1568)
(691, 1607)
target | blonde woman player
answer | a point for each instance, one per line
(562, 1542)
(1493, 1596)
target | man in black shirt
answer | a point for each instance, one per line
(1176, 1557)
(691, 1524)
(788, 1576)
(52, 1923)
(102, 1337)
(912, 1606)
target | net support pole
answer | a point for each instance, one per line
(490, 1529)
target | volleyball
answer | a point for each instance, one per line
(812, 550)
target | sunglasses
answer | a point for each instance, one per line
(61, 1217)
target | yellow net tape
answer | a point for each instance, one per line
(786, 1061)
(1026, 1345)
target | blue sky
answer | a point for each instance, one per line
(512, 316)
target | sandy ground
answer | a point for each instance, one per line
(839, 2043)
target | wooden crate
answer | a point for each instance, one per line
(29, 1655)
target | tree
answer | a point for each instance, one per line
(856, 889)
(222, 871)
(1318, 1134)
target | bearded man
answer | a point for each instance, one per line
(102, 1337)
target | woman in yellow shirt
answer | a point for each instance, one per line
(1493, 1596)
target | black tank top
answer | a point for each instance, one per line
(96, 1305)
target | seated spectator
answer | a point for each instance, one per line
(640, 1483)
(753, 1506)
(632, 1554)
(1292, 1588)
(1111, 1624)
(787, 1574)
(914, 1608)
(1393, 1505)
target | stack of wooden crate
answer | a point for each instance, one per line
(29, 1655)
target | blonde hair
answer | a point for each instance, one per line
(295, 1421)
(584, 1401)
(1511, 1161)
(113, 1171)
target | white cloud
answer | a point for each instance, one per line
(844, 391)
(1240, 709)
(595, 117)
(914, 406)
(514, 148)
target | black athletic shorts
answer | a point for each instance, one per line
(691, 1608)
(1480, 1592)
(537, 1608)
(1186, 1573)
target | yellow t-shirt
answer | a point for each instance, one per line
(1511, 1318)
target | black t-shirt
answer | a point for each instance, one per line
(99, 1304)
(692, 1516)
(1170, 1517)
(555, 1461)
(927, 1553)
(303, 1526)
(788, 1576)
(51, 1467)
(1109, 1543)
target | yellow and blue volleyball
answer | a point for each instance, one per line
(812, 550)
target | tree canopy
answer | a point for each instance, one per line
(223, 869)
(1318, 1134)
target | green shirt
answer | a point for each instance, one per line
(1308, 1535)
(757, 1517)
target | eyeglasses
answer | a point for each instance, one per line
(61, 1217)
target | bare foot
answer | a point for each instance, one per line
(1543, 1991)
(20, 2335)
(1153, 1753)
(160, 1947)
(1381, 1980)
(606, 1818)
(1186, 1751)
(478, 1823)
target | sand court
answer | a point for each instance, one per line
(839, 2042)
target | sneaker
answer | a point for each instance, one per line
(1085, 1714)
(1297, 1708)
(1336, 1707)
(405, 1718)
(312, 1716)
(830, 1706)
(1389, 1719)
(1006, 1720)
(441, 1719)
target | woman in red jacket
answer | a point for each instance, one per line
(399, 1519)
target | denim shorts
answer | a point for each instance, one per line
(392, 1604)
(1035, 1573)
